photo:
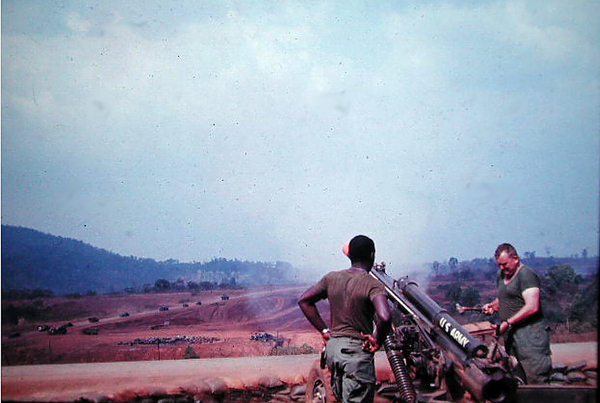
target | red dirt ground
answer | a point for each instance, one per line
(233, 321)
(273, 310)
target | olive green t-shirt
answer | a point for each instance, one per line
(510, 295)
(351, 293)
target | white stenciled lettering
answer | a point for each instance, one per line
(444, 324)
(459, 337)
(453, 332)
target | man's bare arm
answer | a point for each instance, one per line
(531, 307)
(383, 322)
(307, 303)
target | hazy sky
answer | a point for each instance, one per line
(277, 130)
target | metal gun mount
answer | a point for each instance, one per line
(431, 353)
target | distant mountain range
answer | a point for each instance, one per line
(35, 260)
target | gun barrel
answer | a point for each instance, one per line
(436, 314)
(466, 353)
(497, 387)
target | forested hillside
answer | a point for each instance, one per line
(35, 260)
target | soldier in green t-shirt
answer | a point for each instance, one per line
(355, 300)
(520, 309)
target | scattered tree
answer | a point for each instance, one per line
(453, 263)
(561, 275)
(453, 293)
(435, 267)
(162, 285)
(190, 353)
(470, 297)
(178, 285)
(585, 307)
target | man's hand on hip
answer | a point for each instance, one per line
(325, 336)
(370, 343)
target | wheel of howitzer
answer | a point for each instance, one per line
(318, 386)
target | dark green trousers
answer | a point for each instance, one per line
(352, 370)
(531, 345)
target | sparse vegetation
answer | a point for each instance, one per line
(569, 299)
(190, 353)
(470, 296)
(294, 350)
(12, 313)
(584, 310)
(25, 293)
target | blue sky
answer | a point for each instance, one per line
(278, 130)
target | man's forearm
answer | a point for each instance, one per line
(383, 318)
(381, 331)
(307, 303)
(531, 296)
(314, 317)
(521, 315)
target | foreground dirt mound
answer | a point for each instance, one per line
(247, 379)
(238, 378)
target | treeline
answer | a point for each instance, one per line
(34, 304)
(160, 285)
(12, 313)
(180, 285)
(582, 264)
(570, 299)
(13, 295)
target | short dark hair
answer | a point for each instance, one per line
(506, 247)
(361, 249)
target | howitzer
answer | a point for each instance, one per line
(430, 352)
